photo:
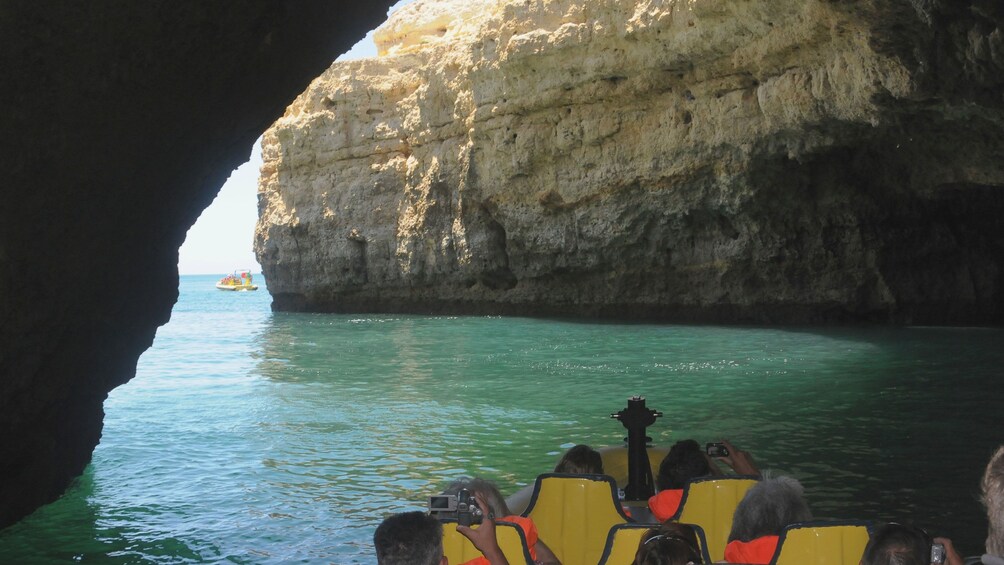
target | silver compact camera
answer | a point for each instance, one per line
(461, 507)
(716, 450)
(937, 554)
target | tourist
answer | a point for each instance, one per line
(768, 507)
(493, 504)
(686, 461)
(992, 487)
(584, 460)
(410, 538)
(580, 460)
(896, 544)
(669, 544)
(416, 538)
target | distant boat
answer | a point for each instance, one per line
(239, 280)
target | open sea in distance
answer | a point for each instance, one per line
(256, 437)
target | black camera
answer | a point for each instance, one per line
(461, 507)
(937, 554)
(716, 450)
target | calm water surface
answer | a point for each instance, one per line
(253, 437)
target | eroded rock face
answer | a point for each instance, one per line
(120, 122)
(757, 161)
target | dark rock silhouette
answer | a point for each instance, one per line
(121, 120)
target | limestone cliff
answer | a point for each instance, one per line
(754, 161)
(120, 121)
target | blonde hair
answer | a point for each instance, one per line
(992, 487)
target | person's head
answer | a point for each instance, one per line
(487, 489)
(669, 544)
(896, 544)
(580, 459)
(993, 498)
(768, 507)
(685, 461)
(410, 538)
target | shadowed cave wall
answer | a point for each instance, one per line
(121, 120)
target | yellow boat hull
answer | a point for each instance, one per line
(222, 286)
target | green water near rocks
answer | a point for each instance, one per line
(253, 437)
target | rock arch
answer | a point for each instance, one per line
(120, 121)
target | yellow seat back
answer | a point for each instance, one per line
(458, 549)
(574, 514)
(710, 504)
(623, 540)
(622, 543)
(822, 543)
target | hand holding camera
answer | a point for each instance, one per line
(462, 507)
(717, 450)
(740, 461)
(943, 550)
(937, 554)
(468, 510)
(483, 537)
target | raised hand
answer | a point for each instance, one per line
(740, 461)
(483, 537)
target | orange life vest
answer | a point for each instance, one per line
(758, 551)
(665, 503)
(529, 530)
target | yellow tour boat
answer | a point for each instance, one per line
(239, 280)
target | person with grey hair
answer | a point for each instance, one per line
(487, 494)
(992, 487)
(761, 516)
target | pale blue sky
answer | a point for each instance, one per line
(222, 239)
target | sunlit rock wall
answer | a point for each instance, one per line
(120, 120)
(755, 161)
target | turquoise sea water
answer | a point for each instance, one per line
(253, 437)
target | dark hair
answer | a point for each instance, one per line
(669, 544)
(685, 461)
(896, 544)
(580, 459)
(410, 538)
(768, 507)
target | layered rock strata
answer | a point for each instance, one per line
(755, 161)
(120, 122)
